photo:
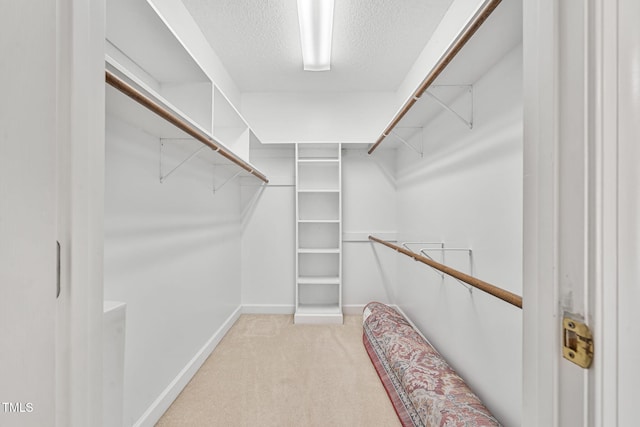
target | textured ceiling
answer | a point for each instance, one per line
(375, 42)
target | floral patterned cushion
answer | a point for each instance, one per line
(424, 389)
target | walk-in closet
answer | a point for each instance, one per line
(281, 224)
(210, 215)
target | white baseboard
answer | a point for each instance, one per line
(268, 309)
(353, 309)
(166, 398)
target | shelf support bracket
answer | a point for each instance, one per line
(405, 142)
(163, 176)
(423, 251)
(468, 123)
(441, 244)
(226, 181)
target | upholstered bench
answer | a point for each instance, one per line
(424, 389)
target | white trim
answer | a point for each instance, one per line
(349, 310)
(609, 55)
(166, 398)
(353, 309)
(80, 210)
(541, 336)
(268, 309)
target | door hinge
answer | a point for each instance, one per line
(577, 345)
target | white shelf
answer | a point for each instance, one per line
(142, 48)
(121, 106)
(318, 233)
(318, 251)
(318, 160)
(312, 280)
(319, 190)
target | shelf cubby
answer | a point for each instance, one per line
(318, 264)
(318, 152)
(323, 294)
(318, 205)
(319, 235)
(318, 176)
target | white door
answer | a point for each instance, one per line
(51, 189)
(27, 212)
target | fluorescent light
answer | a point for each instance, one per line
(316, 28)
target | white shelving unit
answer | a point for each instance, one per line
(318, 233)
(142, 50)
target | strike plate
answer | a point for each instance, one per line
(577, 345)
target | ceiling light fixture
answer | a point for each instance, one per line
(316, 29)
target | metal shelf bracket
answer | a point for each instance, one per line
(423, 251)
(440, 246)
(163, 142)
(226, 180)
(418, 150)
(165, 174)
(468, 122)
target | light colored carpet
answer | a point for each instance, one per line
(269, 372)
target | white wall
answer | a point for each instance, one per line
(368, 208)
(467, 192)
(28, 211)
(328, 117)
(172, 254)
(368, 185)
(268, 239)
(268, 234)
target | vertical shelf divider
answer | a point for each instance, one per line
(318, 178)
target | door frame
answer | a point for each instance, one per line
(555, 393)
(80, 199)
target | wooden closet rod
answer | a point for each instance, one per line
(497, 292)
(445, 59)
(178, 122)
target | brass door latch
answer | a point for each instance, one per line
(577, 342)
